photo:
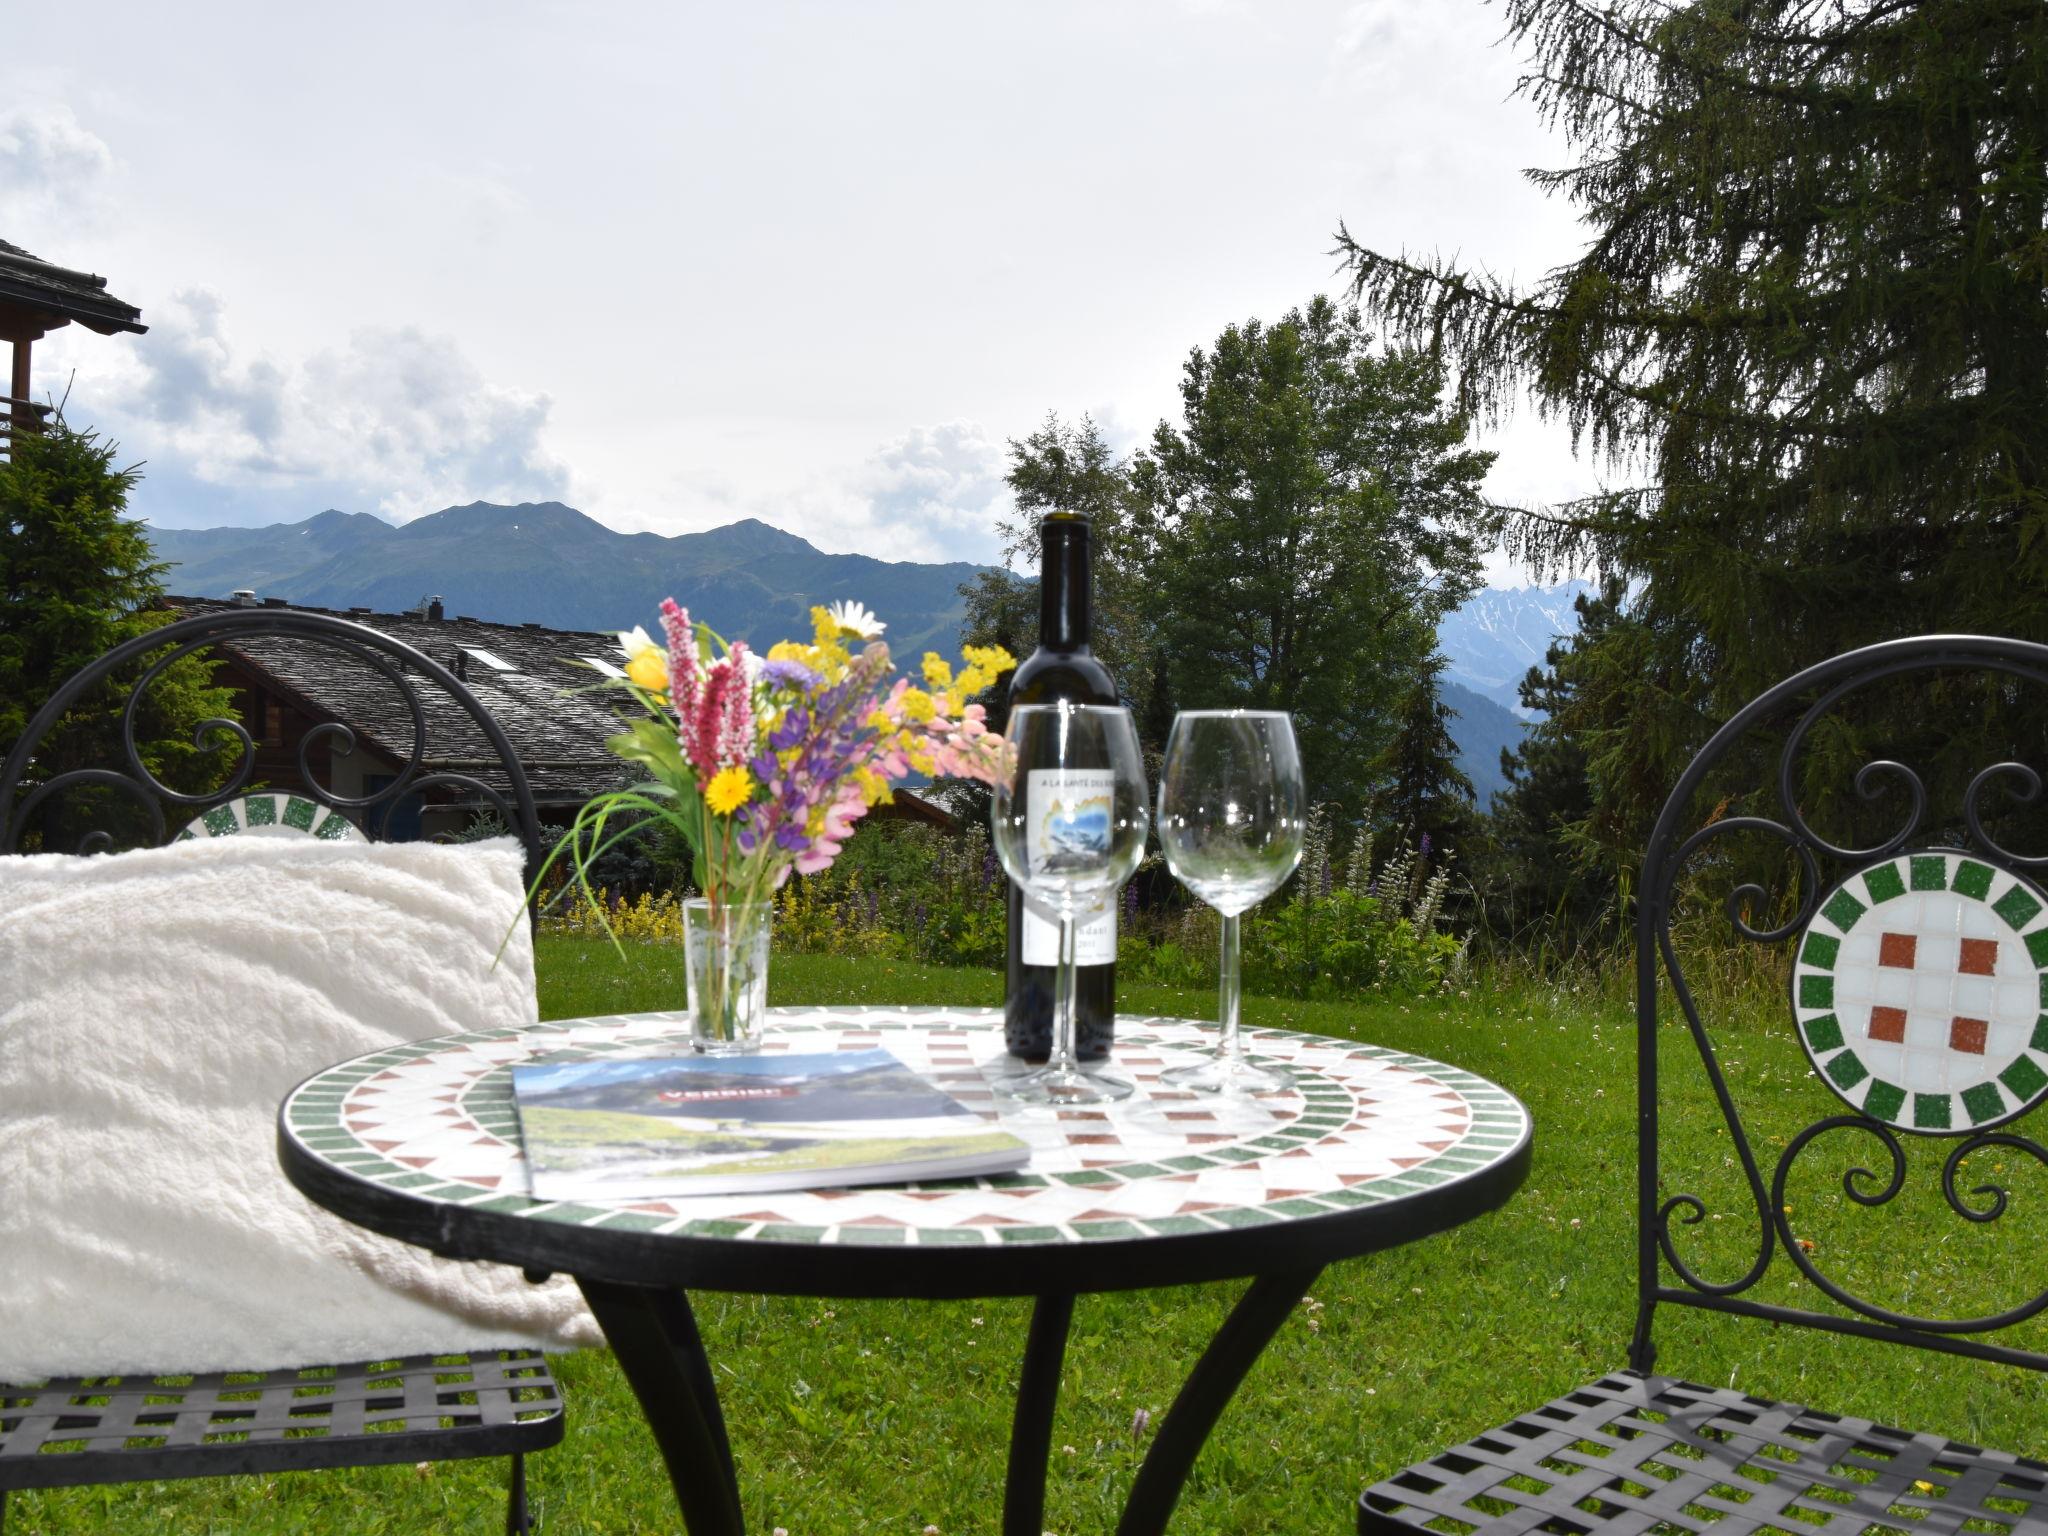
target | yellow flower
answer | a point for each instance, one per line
(877, 721)
(972, 681)
(729, 789)
(790, 650)
(874, 789)
(992, 659)
(938, 673)
(917, 704)
(947, 703)
(646, 662)
(650, 671)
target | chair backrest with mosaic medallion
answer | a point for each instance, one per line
(1857, 1152)
(437, 741)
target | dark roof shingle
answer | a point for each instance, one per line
(38, 285)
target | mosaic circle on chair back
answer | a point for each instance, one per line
(1921, 991)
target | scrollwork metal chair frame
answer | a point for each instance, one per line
(78, 1430)
(1639, 1451)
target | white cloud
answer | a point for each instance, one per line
(54, 174)
(396, 421)
(935, 493)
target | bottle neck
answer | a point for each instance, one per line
(1063, 593)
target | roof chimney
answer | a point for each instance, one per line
(435, 612)
(243, 597)
(276, 602)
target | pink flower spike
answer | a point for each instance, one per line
(736, 719)
(684, 673)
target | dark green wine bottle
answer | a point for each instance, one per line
(1061, 668)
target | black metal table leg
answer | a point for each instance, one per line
(654, 1335)
(1208, 1389)
(1038, 1393)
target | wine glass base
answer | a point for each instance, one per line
(1226, 1074)
(1061, 1086)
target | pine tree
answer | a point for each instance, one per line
(1814, 305)
(1426, 792)
(1549, 802)
(77, 578)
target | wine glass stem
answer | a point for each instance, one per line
(1228, 1049)
(1063, 1000)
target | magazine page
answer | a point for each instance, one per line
(680, 1125)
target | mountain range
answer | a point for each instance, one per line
(545, 563)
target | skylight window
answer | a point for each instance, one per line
(494, 662)
(602, 665)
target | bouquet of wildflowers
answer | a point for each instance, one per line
(764, 763)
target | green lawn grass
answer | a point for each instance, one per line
(887, 1417)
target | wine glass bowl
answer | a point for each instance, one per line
(1231, 822)
(1069, 823)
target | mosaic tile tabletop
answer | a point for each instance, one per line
(1921, 990)
(1361, 1125)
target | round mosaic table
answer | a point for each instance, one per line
(1369, 1148)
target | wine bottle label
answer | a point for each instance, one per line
(1070, 811)
(1094, 940)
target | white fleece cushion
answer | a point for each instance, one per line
(155, 1007)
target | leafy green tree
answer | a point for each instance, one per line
(1062, 468)
(1303, 529)
(1813, 305)
(77, 578)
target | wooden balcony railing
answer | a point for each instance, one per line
(18, 415)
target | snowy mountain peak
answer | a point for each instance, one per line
(1503, 632)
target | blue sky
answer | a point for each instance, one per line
(678, 265)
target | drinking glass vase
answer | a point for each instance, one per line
(725, 950)
(1231, 824)
(1069, 824)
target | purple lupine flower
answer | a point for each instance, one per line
(874, 909)
(1425, 845)
(1130, 905)
(796, 723)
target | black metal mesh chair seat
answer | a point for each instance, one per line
(86, 1429)
(1632, 1454)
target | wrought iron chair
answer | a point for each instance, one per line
(84, 1430)
(1918, 950)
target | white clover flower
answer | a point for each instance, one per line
(855, 619)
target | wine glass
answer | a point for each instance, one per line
(1069, 822)
(1230, 822)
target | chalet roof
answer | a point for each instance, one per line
(558, 733)
(30, 283)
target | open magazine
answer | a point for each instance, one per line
(657, 1127)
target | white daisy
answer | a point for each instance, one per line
(854, 619)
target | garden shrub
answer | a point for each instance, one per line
(904, 890)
